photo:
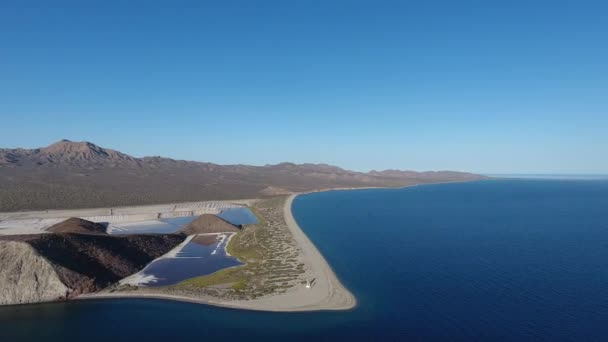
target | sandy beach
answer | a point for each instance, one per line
(327, 292)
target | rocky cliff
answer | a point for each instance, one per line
(26, 276)
(47, 267)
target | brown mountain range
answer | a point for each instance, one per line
(70, 174)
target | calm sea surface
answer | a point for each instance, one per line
(503, 260)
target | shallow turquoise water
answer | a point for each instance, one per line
(488, 261)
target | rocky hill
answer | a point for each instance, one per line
(47, 267)
(65, 153)
(26, 276)
(70, 174)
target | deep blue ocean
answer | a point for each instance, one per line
(498, 260)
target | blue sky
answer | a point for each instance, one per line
(482, 86)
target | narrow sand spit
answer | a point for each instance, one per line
(327, 293)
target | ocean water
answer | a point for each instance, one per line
(498, 260)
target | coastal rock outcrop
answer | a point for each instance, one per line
(47, 267)
(208, 223)
(27, 277)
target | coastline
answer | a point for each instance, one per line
(327, 293)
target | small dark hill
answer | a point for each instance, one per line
(208, 223)
(78, 225)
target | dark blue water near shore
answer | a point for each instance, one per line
(490, 261)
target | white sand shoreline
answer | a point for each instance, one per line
(328, 293)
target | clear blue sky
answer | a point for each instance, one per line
(483, 86)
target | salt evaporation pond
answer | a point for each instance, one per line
(204, 254)
(160, 226)
(238, 216)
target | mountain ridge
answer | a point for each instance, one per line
(69, 174)
(67, 150)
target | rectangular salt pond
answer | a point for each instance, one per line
(238, 216)
(202, 255)
(160, 226)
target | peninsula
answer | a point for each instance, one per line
(79, 248)
(258, 287)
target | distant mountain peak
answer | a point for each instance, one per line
(70, 174)
(84, 150)
(65, 152)
(69, 144)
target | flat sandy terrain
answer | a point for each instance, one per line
(36, 222)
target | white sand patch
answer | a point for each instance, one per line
(175, 251)
(222, 237)
(133, 227)
(127, 225)
(230, 236)
(31, 226)
(138, 279)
